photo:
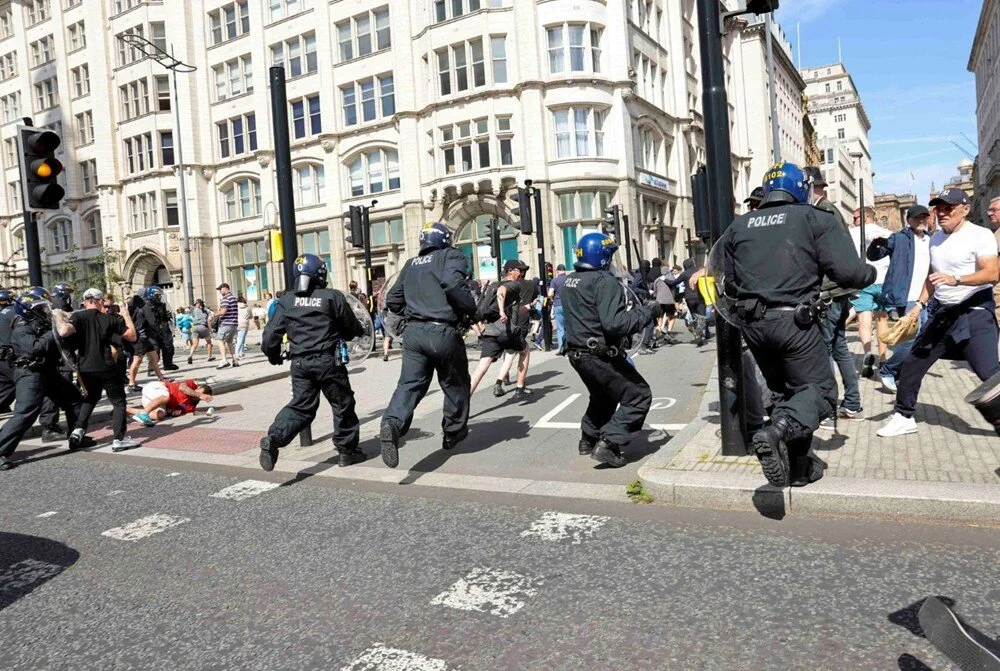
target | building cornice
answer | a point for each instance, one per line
(990, 8)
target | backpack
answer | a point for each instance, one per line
(487, 307)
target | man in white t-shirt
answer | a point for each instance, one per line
(868, 304)
(961, 323)
(909, 255)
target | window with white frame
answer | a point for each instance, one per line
(126, 53)
(70, 4)
(140, 153)
(92, 227)
(579, 132)
(76, 36)
(14, 190)
(36, 11)
(142, 212)
(134, 99)
(649, 152)
(374, 171)
(125, 5)
(6, 21)
(60, 235)
(170, 211)
(583, 206)
(84, 128)
(237, 136)
(368, 100)
(166, 147)
(158, 36)
(476, 145)
(297, 55)
(42, 51)
(81, 80)
(306, 120)
(310, 181)
(230, 21)
(279, 9)
(46, 94)
(241, 199)
(574, 47)
(233, 78)
(162, 94)
(364, 34)
(10, 152)
(88, 175)
(840, 134)
(452, 9)
(8, 66)
(498, 55)
(10, 104)
(463, 66)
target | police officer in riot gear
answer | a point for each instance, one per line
(62, 297)
(774, 261)
(317, 321)
(34, 358)
(432, 292)
(597, 322)
(7, 315)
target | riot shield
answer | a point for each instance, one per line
(393, 323)
(632, 343)
(363, 345)
(725, 304)
(67, 355)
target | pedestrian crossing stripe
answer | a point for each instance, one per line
(555, 527)
(242, 491)
(145, 527)
(492, 591)
(547, 421)
(382, 658)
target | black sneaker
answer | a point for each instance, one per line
(133, 389)
(6, 464)
(268, 454)
(236, 364)
(868, 367)
(211, 358)
(522, 394)
(506, 380)
(224, 365)
(50, 435)
(190, 360)
(351, 457)
(172, 367)
(449, 442)
(389, 437)
(769, 446)
(498, 389)
(609, 454)
(586, 446)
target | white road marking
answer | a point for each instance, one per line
(663, 403)
(147, 526)
(116, 492)
(48, 514)
(381, 658)
(489, 591)
(556, 527)
(546, 421)
(172, 475)
(245, 490)
(27, 572)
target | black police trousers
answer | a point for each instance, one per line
(312, 374)
(31, 387)
(6, 386)
(619, 397)
(48, 418)
(795, 363)
(427, 348)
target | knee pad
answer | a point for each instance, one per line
(986, 399)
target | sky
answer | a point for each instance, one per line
(909, 60)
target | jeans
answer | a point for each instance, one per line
(560, 326)
(241, 341)
(894, 364)
(834, 333)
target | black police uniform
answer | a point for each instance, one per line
(48, 418)
(165, 335)
(775, 259)
(315, 322)
(432, 292)
(7, 317)
(35, 376)
(596, 322)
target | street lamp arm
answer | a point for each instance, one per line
(154, 52)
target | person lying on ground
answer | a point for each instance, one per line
(169, 399)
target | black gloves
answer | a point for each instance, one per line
(879, 248)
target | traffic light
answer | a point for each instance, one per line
(523, 200)
(548, 271)
(39, 168)
(493, 234)
(612, 221)
(761, 6)
(354, 226)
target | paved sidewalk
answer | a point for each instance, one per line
(950, 469)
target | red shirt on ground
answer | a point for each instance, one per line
(178, 399)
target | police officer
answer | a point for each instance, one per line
(149, 327)
(34, 360)
(317, 320)
(597, 321)
(62, 299)
(7, 315)
(432, 292)
(774, 261)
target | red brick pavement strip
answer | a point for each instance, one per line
(190, 438)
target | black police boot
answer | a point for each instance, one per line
(609, 454)
(769, 446)
(6, 464)
(498, 389)
(806, 470)
(449, 442)
(268, 453)
(587, 446)
(350, 457)
(52, 434)
(389, 437)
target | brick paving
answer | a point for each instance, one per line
(953, 444)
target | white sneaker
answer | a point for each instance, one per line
(125, 443)
(827, 424)
(898, 426)
(889, 382)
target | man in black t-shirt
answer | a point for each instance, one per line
(96, 333)
(508, 332)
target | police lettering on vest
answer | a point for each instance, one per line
(766, 220)
(305, 302)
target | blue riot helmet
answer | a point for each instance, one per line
(310, 273)
(6, 298)
(154, 294)
(434, 235)
(62, 289)
(594, 251)
(790, 179)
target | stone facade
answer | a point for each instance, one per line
(890, 209)
(983, 63)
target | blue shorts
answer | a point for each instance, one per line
(869, 299)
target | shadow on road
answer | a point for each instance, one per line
(28, 562)
(829, 443)
(908, 662)
(769, 502)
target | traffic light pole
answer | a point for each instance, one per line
(185, 235)
(628, 243)
(540, 244)
(720, 189)
(366, 235)
(32, 249)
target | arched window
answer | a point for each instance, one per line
(374, 171)
(310, 181)
(241, 199)
(92, 233)
(60, 235)
(649, 151)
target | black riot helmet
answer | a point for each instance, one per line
(310, 273)
(63, 289)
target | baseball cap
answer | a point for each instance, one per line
(513, 264)
(93, 294)
(951, 197)
(756, 195)
(916, 211)
(815, 175)
(222, 285)
(561, 267)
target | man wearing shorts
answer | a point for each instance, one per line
(169, 399)
(507, 333)
(869, 300)
(200, 330)
(229, 312)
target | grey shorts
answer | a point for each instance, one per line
(227, 333)
(201, 331)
